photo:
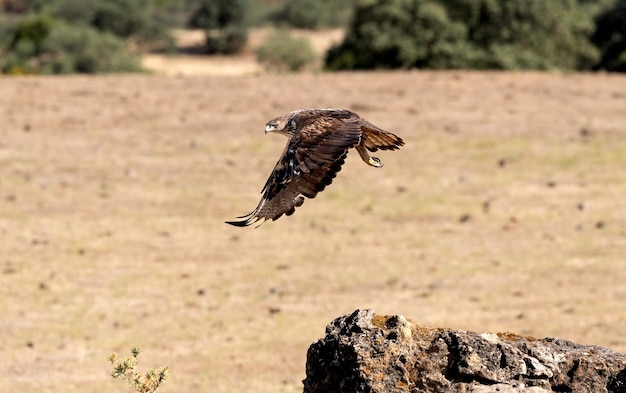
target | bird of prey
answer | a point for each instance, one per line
(319, 140)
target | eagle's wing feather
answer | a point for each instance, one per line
(309, 163)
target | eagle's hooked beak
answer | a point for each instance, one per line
(271, 127)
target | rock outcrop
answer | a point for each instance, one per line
(366, 352)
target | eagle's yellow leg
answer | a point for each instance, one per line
(369, 160)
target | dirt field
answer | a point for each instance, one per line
(505, 211)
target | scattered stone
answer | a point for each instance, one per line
(465, 218)
(511, 224)
(273, 310)
(585, 132)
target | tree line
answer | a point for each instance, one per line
(66, 36)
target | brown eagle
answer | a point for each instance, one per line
(319, 140)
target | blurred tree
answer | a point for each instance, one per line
(528, 34)
(610, 37)
(399, 33)
(482, 34)
(224, 24)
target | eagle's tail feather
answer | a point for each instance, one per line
(375, 138)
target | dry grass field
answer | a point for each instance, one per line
(505, 211)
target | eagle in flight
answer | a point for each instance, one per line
(319, 140)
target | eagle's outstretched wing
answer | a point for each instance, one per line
(309, 163)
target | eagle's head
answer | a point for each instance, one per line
(285, 125)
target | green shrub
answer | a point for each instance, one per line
(83, 49)
(31, 30)
(65, 36)
(282, 52)
(69, 49)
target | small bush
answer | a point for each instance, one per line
(126, 370)
(282, 52)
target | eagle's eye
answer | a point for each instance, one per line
(292, 123)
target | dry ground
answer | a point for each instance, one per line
(506, 211)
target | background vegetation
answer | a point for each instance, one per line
(475, 34)
(64, 36)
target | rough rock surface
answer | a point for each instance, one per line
(365, 352)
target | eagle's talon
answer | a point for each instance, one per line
(375, 162)
(369, 160)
